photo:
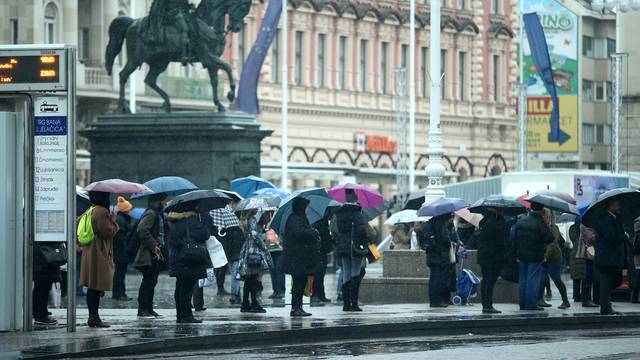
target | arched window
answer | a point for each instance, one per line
(51, 19)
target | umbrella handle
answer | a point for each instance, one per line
(220, 233)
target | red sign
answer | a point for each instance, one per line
(374, 144)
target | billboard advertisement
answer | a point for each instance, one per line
(561, 32)
(588, 188)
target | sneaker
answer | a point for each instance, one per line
(544, 304)
(325, 300)
(257, 309)
(564, 305)
(299, 313)
(201, 309)
(45, 321)
(190, 320)
(155, 314)
(145, 314)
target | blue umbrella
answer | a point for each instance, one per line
(442, 206)
(271, 192)
(318, 202)
(247, 185)
(170, 185)
(136, 213)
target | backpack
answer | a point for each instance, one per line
(85, 228)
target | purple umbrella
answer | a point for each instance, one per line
(118, 186)
(442, 206)
(367, 197)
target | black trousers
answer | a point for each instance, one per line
(606, 280)
(489, 277)
(198, 296)
(635, 287)
(41, 298)
(318, 280)
(297, 291)
(93, 302)
(220, 274)
(148, 286)
(182, 296)
(439, 284)
(119, 288)
(250, 289)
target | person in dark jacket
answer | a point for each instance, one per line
(491, 255)
(44, 275)
(254, 258)
(318, 297)
(609, 247)
(186, 226)
(437, 237)
(120, 242)
(532, 235)
(467, 234)
(301, 253)
(352, 242)
(151, 232)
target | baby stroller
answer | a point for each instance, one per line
(466, 284)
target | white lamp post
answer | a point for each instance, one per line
(285, 99)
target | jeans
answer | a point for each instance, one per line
(530, 278)
(182, 296)
(554, 269)
(235, 283)
(41, 298)
(489, 277)
(439, 284)
(340, 281)
(277, 274)
(318, 280)
(297, 291)
(119, 288)
(148, 286)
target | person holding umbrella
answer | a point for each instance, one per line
(120, 241)
(491, 254)
(327, 245)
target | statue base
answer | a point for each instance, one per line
(208, 148)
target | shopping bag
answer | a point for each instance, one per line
(208, 281)
(373, 255)
(55, 295)
(308, 288)
(216, 252)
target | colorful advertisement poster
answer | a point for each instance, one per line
(561, 32)
(588, 188)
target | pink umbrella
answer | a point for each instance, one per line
(367, 197)
(471, 218)
(118, 186)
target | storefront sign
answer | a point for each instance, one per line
(374, 144)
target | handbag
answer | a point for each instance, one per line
(254, 259)
(216, 252)
(55, 255)
(193, 253)
(357, 249)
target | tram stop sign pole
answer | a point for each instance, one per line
(45, 75)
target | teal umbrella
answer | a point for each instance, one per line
(170, 185)
(318, 202)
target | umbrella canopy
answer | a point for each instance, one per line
(403, 217)
(136, 213)
(472, 218)
(415, 200)
(247, 185)
(224, 218)
(442, 206)
(271, 192)
(206, 200)
(553, 203)
(523, 202)
(318, 202)
(367, 197)
(272, 201)
(170, 185)
(118, 186)
(629, 203)
(232, 194)
(567, 218)
(373, 212)
(559, 194)
(510, 206)
(254, 203)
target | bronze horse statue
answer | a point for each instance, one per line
(206, 42)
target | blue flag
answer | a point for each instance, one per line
(540, 55)
(248, 88)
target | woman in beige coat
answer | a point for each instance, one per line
(96, 272)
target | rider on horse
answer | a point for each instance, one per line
(173, 14)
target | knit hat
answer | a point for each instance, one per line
(123, 205)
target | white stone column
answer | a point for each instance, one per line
(70, 22)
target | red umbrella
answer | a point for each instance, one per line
(524, 202)
(118, 186)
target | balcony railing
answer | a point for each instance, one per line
(94, 78)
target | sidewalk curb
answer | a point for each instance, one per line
(447, 326)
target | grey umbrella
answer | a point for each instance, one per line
(629, 202)
(509, 205)
(206, 200)
(553, 203)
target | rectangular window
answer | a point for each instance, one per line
(443, 74)
(587, 90)
(363, 65)
(423, 71)
(83, 51)
(600, 48)
(609, 89)
(384, 54)
(241, 47)
(298, 52)
(404, 55)
(462, 4)
(496, 78)
(13, 24)
(599, 134)
(321, 56)
(600, 92)
(49, 31)
(611, 47)
(342, 66)
(607, 135)
(462, 58)
(495, 6)
(588, 134)
(587, 46)
(275, 58)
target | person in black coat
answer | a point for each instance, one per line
(318, 297)
(532, 235)
(301, 253)
(185, 225)
(437, 237)
(120, 244)
(491, 253)
(44, 275)
(610, 256)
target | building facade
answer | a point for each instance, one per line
(342, 81)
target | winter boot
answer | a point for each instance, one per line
(346, 296)
(355, 292)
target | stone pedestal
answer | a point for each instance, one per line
(208, 148)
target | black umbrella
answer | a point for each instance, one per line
(629, 204)
(509, 206)
(375, 211)
(414, 200)
(553, 203)
(206, 200)
(82, 201)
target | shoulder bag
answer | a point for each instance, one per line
(55, 254)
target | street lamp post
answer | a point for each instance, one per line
(284, 178)
(435, 170)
